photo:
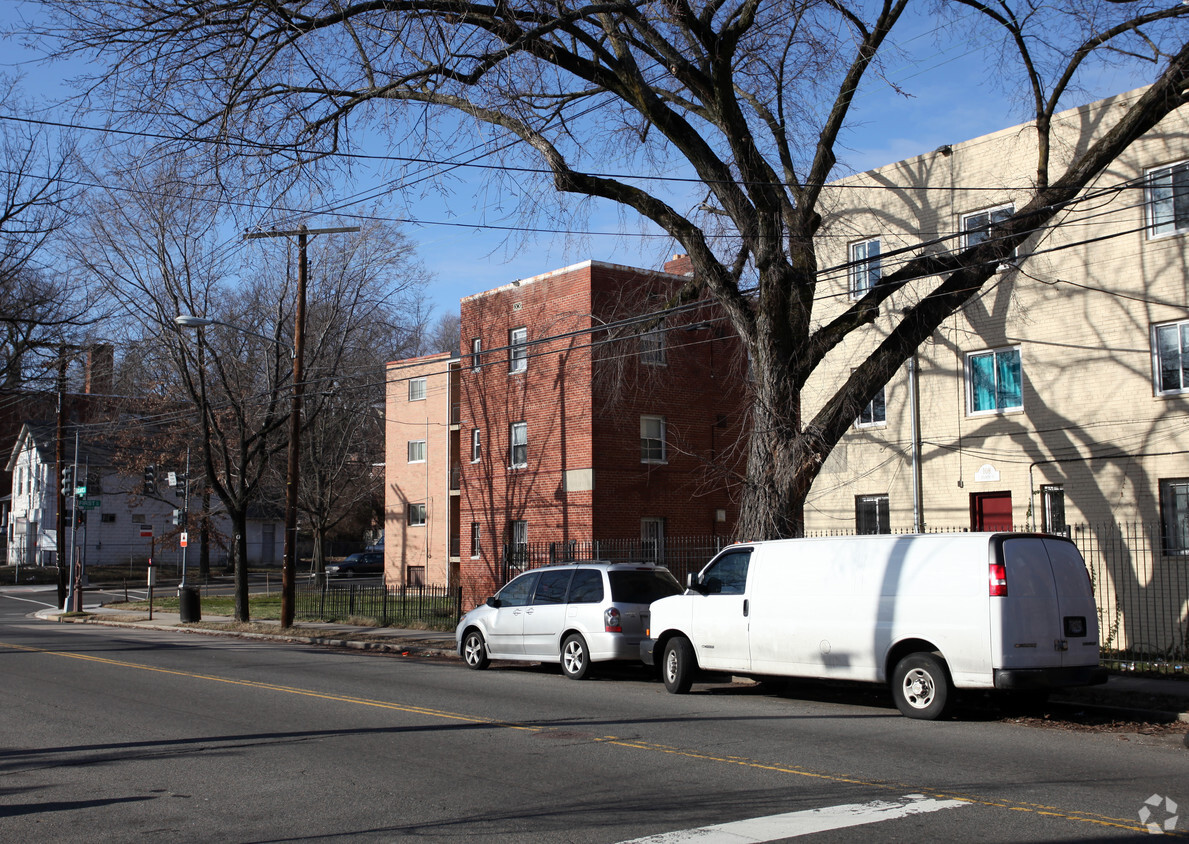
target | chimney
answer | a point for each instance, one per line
(101, 367)
(680, 265)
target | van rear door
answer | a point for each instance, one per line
(1047, 617)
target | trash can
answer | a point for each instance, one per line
(189, 604)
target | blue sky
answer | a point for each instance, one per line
(949, 100)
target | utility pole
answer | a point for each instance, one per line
(59, 465)
(289, 563)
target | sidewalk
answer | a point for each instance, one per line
(1128, 697)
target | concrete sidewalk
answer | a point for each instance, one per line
(1130, 697)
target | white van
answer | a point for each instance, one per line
(925, 613)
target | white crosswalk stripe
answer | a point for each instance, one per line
(793, 824)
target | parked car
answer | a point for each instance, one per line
(365, 562)
(575, 614)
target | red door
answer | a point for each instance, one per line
(990, 511)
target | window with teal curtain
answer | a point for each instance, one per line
(995, 381)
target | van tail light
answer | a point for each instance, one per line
(611, 621)
(998, 580)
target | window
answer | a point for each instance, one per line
(416, 515)
(416, 389)
(875, 413)
(517, 544)
(1174, 515)
(519, 592)
(415, 576)
(416, 451)
(476, 445)
(552, 587)
(518, 445)
(652, 347)
(476, 354)
(1170, 357)
(1168, 199)
(518, 350)
(976, 227)
(476, 547)
(652, 439)
(1053, 500)
(872, 514)
(107, 518)
(993, 381)
(728, 574)
(586, 587)
(864, 270)
(652, 539)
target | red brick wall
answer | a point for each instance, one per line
(577, 421)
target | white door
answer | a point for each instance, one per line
(505, 630)
(721, 626)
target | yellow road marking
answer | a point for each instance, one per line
(633, 744)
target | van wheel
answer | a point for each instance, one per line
(921, 686)
(575, 659)
(474, 650)
(678, 665)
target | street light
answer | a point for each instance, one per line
(191, 321)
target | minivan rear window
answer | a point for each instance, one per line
(642, 587)
(587, 587)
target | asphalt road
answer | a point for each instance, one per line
(116, 735)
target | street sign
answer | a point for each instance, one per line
(146, 530)
(184, 539)
(88, 503)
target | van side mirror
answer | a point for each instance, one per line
(693, 583)
(493, 602)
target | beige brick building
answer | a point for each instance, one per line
(1058, 396)
(420, 477)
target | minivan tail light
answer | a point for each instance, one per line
(611, 621)
(998, 577)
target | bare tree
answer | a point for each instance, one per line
(155, 243)
(749, 98)
(444, 336)
(38, 310)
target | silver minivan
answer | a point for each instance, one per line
(574, 614)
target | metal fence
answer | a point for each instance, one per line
(1141, 586)
(389, 606)
(678, 554)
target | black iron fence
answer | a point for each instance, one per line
(436, 607)
(679, 555)
(1140, 580)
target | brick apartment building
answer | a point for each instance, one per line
(586, 411)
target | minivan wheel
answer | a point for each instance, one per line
(921, 686)
(678, 665)
(474, 650)
(575, 659)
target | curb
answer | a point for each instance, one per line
(402, 648)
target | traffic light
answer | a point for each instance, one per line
(150, 479)
(80, 517)
(181, 487)
(67, 481)
(177, 517)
